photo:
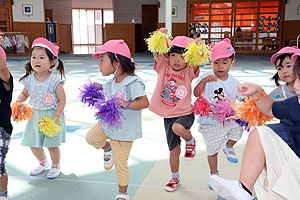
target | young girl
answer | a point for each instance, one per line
(268, 162)
(284, 66)
(171, 100)
(6, 90)
(48, 99)
(115, 58)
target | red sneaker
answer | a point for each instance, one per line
(190, 151)
(171, 186)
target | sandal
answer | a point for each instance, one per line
(122, 197)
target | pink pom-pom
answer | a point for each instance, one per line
(202, 107)
(222, 110)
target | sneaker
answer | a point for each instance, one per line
(108, 160)
(230, 154)
(228, 189)
(122, 197)
(39, 169)
(4, 198)
(209, 185)
(171, 186)
(190, 151)
(53, 173)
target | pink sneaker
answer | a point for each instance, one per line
(190, 151)
(171, 186)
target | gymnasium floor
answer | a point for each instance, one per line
(83, 175)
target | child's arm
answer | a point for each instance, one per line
(60, 93)
(23, 96)
(4, 73)
(137, 104)
(263, 101)
(201, 85)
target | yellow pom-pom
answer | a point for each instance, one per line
(159, 42)
(48, 127)
(197, 53)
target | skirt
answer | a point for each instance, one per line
(33, 138)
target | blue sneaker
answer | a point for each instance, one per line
(230, 154)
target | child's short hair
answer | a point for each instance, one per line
(281, 57)
(127, 65)
(222, 49)
(175, 49)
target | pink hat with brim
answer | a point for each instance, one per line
(295, 56)
(222, 49)
(2, 54)
(114, 46)
(181, 41)
(285, 50)
(42, 42)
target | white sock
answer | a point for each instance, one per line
(175, 175)
(191, 141)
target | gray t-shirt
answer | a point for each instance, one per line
(282, 92)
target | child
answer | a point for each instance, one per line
(48, 99)
(216, 86)
(115, 58)
(6, 89)
(268, 162)
(284, 66)
(171, 100)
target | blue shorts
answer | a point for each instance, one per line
(4, 142)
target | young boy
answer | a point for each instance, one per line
(216, 86)
(6, 89)
(171, 100)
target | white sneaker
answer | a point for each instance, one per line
(108, 160)
(230, 154)
(39, 169)
(122, 197)
(53, 173)
(4, 198)
(228, 189)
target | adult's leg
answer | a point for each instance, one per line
(253, 161)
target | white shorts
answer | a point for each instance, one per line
(216, 135)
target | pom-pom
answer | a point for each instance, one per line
(197, 53)
(109, 112)
(90, 94)
(201, 106)
(159, 42)
(48, 127)
(248, 111)
(21, 111)
(222, 110)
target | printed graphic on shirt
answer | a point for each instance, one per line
(121, 96)
(218, 95)
(48, 99)
(172, 94)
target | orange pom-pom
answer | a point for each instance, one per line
(249, 112)
(21, 111)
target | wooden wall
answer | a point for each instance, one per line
(177, 29)
(125, 31)
(291, 29)
(35, 29)
(64, 37)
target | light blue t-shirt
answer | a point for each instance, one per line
(130, 89)
(217, 90)
(42, 94)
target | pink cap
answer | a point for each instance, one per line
(114, 46)
(222, 49)
(2, 54)
(181, 41)
(295, 56)
(290, 50)
(42, 42)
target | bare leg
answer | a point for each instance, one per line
(3, 183)
(231, 143)
(55, 154)
(254, 160)
(174, 158)
(38, 153)
(179, 130)
(123, 189)
(213, 163)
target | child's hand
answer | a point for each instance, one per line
(210, 78)
(247, 89)
(56, 119)
(99, 85)
(123, 103)
(163, 30)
